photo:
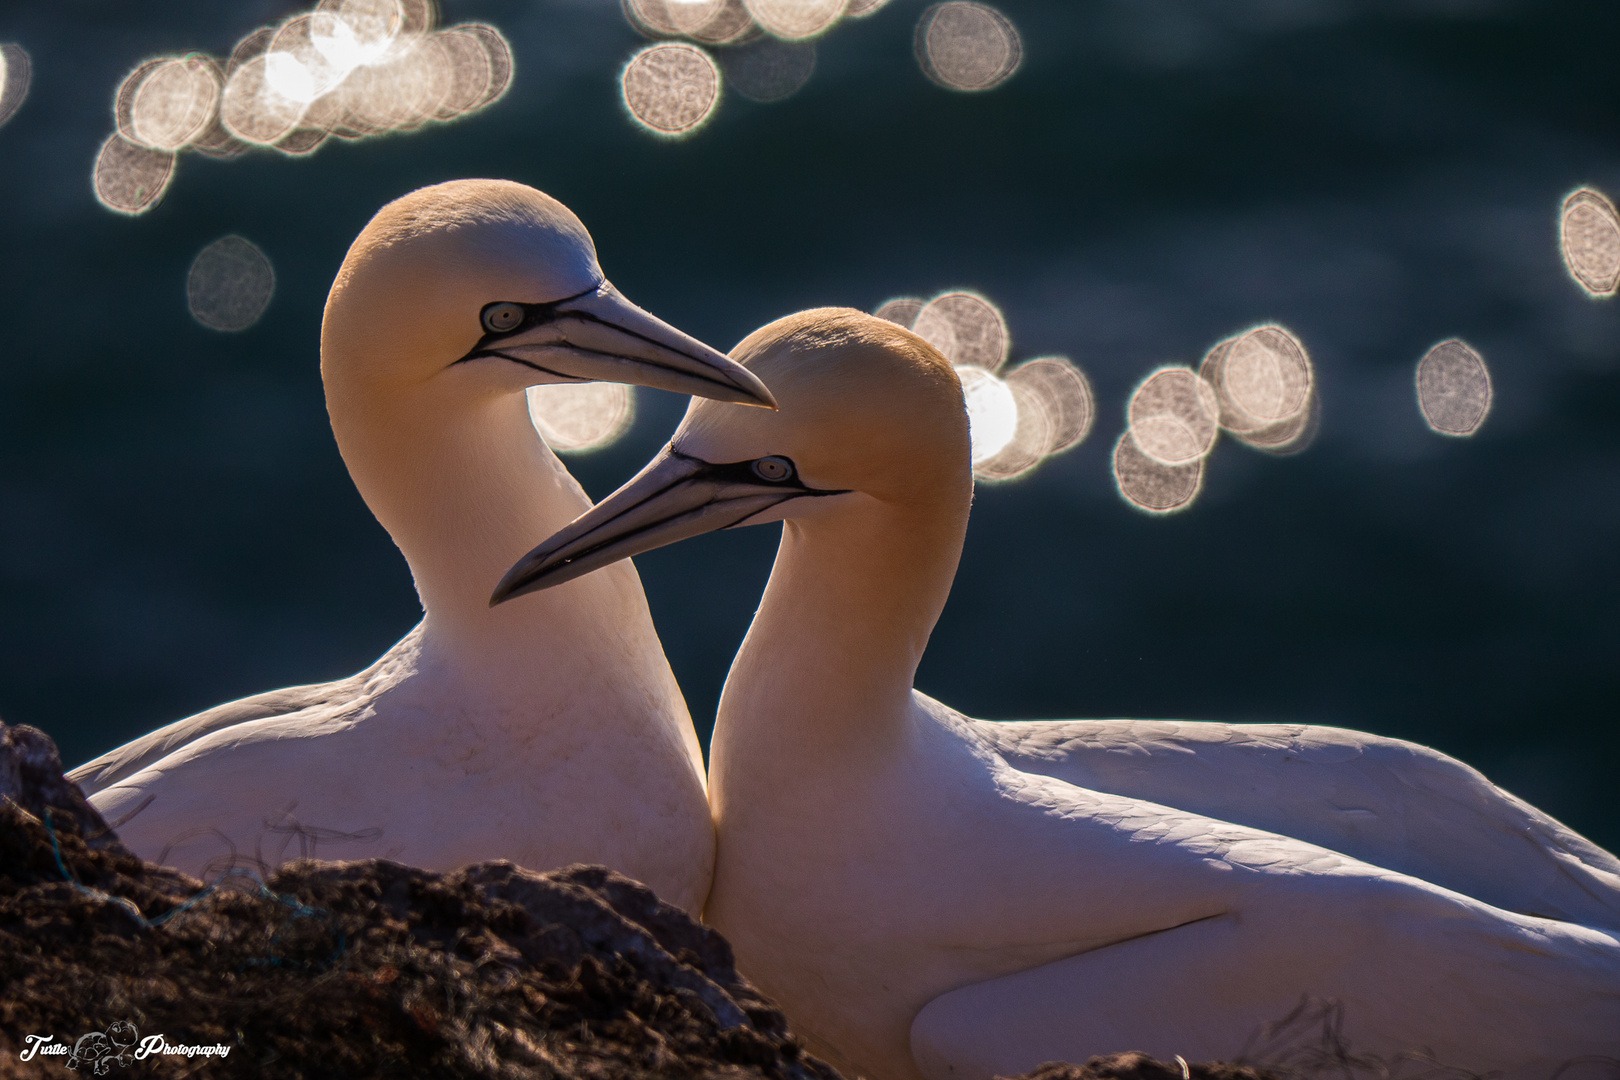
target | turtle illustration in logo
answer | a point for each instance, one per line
(123, 1037)
(98, 1051)
(91, 1050)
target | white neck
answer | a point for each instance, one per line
(827, 667)
(465, 492)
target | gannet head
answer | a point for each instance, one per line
(867, 410)
(499, 281)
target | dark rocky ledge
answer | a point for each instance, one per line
(371, 969)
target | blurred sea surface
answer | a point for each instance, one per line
(177, 528)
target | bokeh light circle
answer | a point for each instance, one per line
(479, 73)
(16, 72)
(130, 178)
(769, 69)
(351, 33)
(1266, 385)
(498, 52)
(253, 109)
(350, 69)
(713, 22)
(966, 327)
(967, 46)
(792, 20)
(173, 103)
(1152, 486)
(1031, 439)
(404, 91)
(1589, 238)
(1173, 416)
(1453, 388)
(230, 284)
(902, 310)
(575, 417)
(671, 18)
(1066, 395)
(671, 89)
(1264, 376)
(992, 412)
(730, 25)
(304, 63)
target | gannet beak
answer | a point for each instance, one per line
(599, 336)
(675, 497)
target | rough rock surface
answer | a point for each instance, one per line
(1142, 1067)
(358, 969)
(371, 968)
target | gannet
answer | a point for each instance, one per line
(547, 732)
(929, 895)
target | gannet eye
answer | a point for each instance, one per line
(499, 318)
(774, 469)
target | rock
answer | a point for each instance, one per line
(377, 969)
(361, 968)
(1142, 1067)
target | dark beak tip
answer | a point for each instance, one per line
(754, 392)
(513, 585)
(759, 400)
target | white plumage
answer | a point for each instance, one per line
(930, 895)
(546, 732)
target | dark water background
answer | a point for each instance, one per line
(177, 529)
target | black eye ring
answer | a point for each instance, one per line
(501, 316)
(773, 469)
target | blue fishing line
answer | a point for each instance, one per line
(299, 910)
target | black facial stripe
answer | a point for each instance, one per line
(533, 315)
(742, 473)
(788, 496)
(727, 473)
(479, 354)
(525, 363)
(539, 314)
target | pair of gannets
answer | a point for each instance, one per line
(547, 732)
(929, 895)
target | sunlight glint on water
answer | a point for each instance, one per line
(769, 69)
(671, 89)
(1066, 394)
(1041, 408)
(1172, 416)
(992, 412)
(230, 284)
(130, 179)
(967, 46)
(1153, 486)
(16, 72)
(575, 417)
(795, 19)
(902, 310)
(173, 103)
(1589, 238)
(1453, 388)
(966, 327)
(1266, 388)
(350, 69)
